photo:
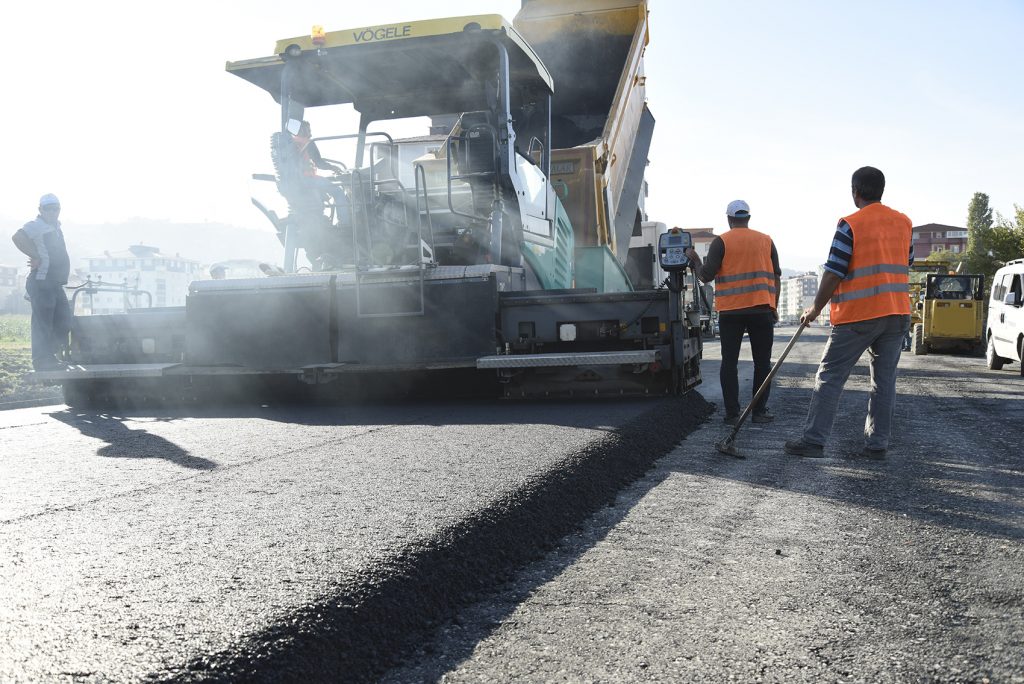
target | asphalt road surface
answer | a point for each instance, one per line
(777, 568)
(272, 544)
(504, 542)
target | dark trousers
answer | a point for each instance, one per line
(760, 327)
(51, 322)
(337, 193)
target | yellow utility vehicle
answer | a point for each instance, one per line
(952, 312)
(919, 272)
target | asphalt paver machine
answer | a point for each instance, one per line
(487, 251)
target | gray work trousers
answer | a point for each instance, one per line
(882, 338)
(51, 322)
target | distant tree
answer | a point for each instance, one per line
(1006, 238)
(979, 223)
(982, 256)
(946, 256)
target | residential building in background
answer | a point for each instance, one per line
(935, 237)
(826, 314)
(12, 289)
(139, 269)
(702, 239)
(797, 293)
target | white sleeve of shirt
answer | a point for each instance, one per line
(35, 231)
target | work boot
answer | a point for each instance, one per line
(798, 447)
(763, 417)
(731, 420)
(873, 454)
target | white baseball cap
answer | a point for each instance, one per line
(738, 209)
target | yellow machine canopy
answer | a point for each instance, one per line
(401, 70)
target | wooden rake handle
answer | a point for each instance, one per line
(767, 381)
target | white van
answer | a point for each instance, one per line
(1005, 329)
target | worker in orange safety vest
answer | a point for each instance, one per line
(311, 160)
(866, 279)
(311, 157)
(744, 265)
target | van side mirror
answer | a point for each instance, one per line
(1012, 299)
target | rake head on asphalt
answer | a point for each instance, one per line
(727, 446)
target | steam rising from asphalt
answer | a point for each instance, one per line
(587, 69)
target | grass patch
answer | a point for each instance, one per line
(14, 363)
(16, 360)
(15, 331)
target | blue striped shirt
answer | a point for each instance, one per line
(842, 251)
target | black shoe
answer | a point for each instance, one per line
(763, 417)
(731, 420)
(798, 447)
(873, 454)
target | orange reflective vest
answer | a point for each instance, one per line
(877, 283)
(302, 145)
(747, 276)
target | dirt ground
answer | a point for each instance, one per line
(16, 360)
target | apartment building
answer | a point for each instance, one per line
(935, 237)
(11, 288)
(797, 293)
(138, 270)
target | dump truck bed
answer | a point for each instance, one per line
(601, 126)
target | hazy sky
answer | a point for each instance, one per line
(124, 108)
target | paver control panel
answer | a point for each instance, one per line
(672, 248)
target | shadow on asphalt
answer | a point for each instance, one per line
(805, 370)
(953, 461)
(125, 442)
(575, 413)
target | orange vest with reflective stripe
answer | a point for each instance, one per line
(302, 145)
(877, 283)
(747, 276)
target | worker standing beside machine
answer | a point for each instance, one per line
(745, 267)
(866, 280)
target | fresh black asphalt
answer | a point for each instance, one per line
(288, 544)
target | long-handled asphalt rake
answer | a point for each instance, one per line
(727, 446)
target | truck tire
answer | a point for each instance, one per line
(993, 360)
(917, 343)
(1020, 355)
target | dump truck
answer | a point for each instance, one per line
(487, 251)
